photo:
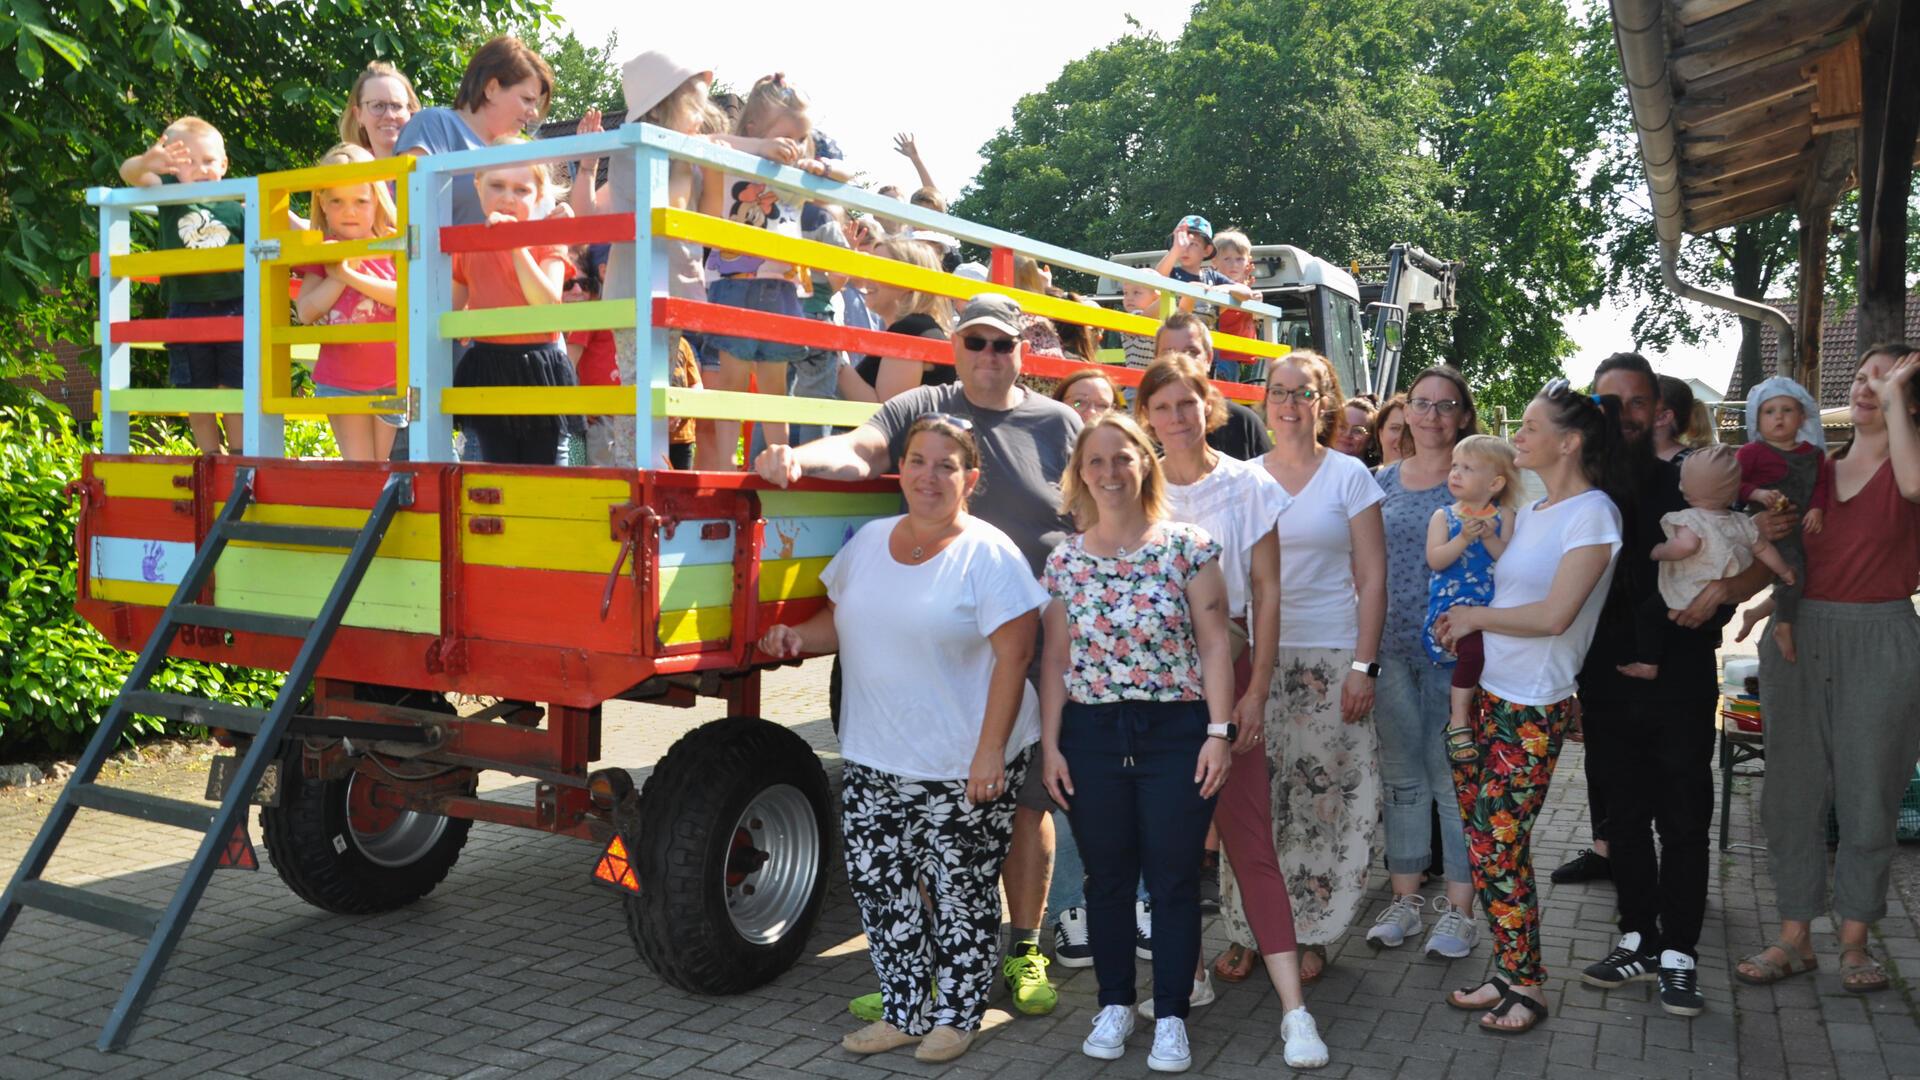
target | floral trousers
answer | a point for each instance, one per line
(1326, 792)
(1500, 796)
(934, 955)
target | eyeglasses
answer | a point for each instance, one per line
(1359, 429)
(386, 108)
(1423, 406)
(1286, 394)
(960, 422)
(976, 343)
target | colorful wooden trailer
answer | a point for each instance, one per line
(381, 588)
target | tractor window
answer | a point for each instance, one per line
(1341, 319)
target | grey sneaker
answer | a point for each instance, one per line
(1399, 922)
(1453, 934)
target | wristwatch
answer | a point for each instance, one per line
(1229, 732)
(1371, 671)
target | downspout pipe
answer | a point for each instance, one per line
(1640, 31)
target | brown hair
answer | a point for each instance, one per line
(1180, 320)
(1082, 375)
(1895, 349)
(1381, 416)
(505, 60)
(350, 129)
(1076, 500)
(944, 425)
(1329, 404)
(1459, 381)
(1169, 369)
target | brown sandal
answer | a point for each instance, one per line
(1236, 964)
(1863, 978)
(1771, 972)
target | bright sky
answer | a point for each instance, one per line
(877, 67)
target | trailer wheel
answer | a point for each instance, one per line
(732, 856)
(340, 847)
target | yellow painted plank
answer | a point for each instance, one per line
(178, 401)
(791, 579)
(313, 408)
(313, 177)
(538, 400)
(829, 503)
(581, 498)
(410, 536)
(150, 593)
(760, 408)
(136, 480)
(539, 319)
(179, 261)
(696, 586)
(306, 248)
(337, 334)
(696, 624)
(397, 594)
(733, 236)
(531, 543)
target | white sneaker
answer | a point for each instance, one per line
(1399, 922)
(1111, 1026)
(1143, 929)
(1170, 1052)
(1202, 995)
(1304, 1048)
(1453, 934)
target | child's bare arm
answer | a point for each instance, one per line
(147, 167)
(587, 197)
(1497, 545)
(459, 296)
(1774, 561)
(1442, 552)
(317, 294)
(541, 282)
(1685, 542)
(378, 290)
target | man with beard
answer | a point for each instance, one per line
(1650, 741)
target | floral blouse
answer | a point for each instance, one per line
(1130, 631)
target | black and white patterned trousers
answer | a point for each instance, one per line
(935, 966)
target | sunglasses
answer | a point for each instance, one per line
(976, 343)
(582, 282)
(960, 422)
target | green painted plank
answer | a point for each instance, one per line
(829, 503)
(538, 319)
(178, 401)
(696, 586)
(686, 401)
(396, 594)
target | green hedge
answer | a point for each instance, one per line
(57, 674)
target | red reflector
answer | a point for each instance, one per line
(614, 869)
(238, 854)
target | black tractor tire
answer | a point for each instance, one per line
(330, 865)
(728, 899)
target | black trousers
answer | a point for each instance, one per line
(1651, 765)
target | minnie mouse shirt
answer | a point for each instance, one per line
(748, 201)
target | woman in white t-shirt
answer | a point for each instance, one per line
(934, 614)
(1237, 507)
(1321, 744)
(1548, 586)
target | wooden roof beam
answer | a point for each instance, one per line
(1762, 90)
(1754, 25)
(1719, 213)
(1722, 66)
(1797, 107)
(1791, 134)
(1688, 12)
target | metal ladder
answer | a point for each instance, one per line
(162, 927)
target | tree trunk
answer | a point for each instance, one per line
(1816, 225)
(1890, 120)
(1748, 262)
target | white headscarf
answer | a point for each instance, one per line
(1781, 386)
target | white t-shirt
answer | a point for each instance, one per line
(1319, 608)
(1542, 670)
(915, 662)
(1237, 509)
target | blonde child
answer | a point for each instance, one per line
(517, 277)
(1142, 300)
(1463, 540)
(1784, 463)
(1233, 258)
(1186, 260)
(353, 292)
(188, 152)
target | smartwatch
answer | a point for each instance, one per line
(1228, 732)
(1371, 671)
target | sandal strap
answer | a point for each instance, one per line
(1499, 984)
(1510, 997)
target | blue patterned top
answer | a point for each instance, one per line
(1405, 514)
(1468, 581)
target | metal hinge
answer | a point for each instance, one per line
(264, 249)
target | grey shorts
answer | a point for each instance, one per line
(1033, 786)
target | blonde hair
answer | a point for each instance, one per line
(770, 99)
(929, 198)
(1232, 240)
(1330, 405)
(1026, 275)
(1497, 452)
(1177, 368)
(385, 217)
(1077, 500)
(687, 100)
(191, 125)
(545, 186)
(350, 129)
(917, 253)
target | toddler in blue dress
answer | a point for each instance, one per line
(1463, 540)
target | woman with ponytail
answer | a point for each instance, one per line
(1549, 585)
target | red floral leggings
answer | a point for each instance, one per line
(1500, 796)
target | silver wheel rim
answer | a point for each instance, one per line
(402, 843)
(773, 861)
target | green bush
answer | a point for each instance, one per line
(57, 674)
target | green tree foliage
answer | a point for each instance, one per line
(86, 83)
(583, 77)
(1344, 126)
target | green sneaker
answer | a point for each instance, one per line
(868, 1007)
(1025, 973)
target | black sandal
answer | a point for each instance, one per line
(1496, 982)
(1508, 999)
(1461, 748)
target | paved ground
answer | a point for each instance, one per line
(517, 967)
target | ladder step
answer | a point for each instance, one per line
(246, 621)
(194, 710)
(97, 908)
(194, 817)
(304, 535)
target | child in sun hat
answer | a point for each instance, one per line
(1784, 462)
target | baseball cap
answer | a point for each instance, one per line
(1196, 223)
(991, 309)
(647, 79)
(972, 271)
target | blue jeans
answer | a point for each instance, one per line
(1410, 708)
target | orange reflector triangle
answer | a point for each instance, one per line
(238, 854)
(614, 869)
